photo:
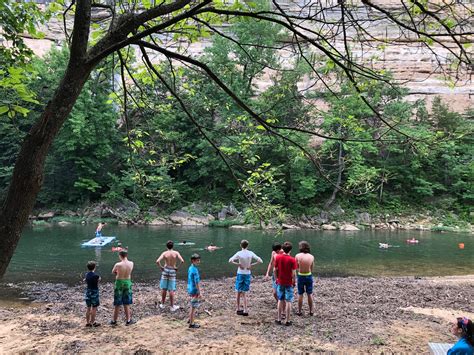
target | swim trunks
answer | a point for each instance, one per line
(91, 296)
(168, 279)
(242, 283)
(305, 284)
(285, 293)
(194, 301)
(123, 292)
(274, 284)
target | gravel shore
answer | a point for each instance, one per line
(352, 314)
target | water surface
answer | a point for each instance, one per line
(54, 253)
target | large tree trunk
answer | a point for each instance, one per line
(28, 173)
(337, 186)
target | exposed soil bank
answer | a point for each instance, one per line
(352, 314)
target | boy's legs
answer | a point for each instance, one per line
(280, 310)
(288, 296)
(116, 313)
(281, 302)
(288, 310)
(191, 315)
(88, 315)
(171, 298)
(128, 312)
(300, 303)
(194, 304)
(163, 296)
(309, 291)
(238, 300)
(244, 296)
(93, 313)
(310, 303)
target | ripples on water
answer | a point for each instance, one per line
(54, 253)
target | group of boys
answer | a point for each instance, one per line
(122, 291)
(287, 270)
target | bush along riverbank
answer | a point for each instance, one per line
(228, 216)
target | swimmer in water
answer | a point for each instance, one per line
(212, 247)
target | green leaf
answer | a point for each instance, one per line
(4, 109)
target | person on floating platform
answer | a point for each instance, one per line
(123, 288)
(98, 231)
(305, 262)
(91, 295)
(464, 330)
(243, 259)
(168, 276)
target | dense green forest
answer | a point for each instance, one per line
(143, 145)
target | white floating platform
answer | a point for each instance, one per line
(98, 242)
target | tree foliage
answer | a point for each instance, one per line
(320, 38)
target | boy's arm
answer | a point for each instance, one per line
(295, 266)
(297, 262)
(259, 260)
(180, 259)
(158, 261)
(114, 270)
(233, 259)
(270, 264)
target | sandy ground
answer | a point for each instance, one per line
(376, 315)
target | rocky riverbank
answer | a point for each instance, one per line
(376, 315)
(199, 215)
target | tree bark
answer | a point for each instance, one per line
(28, 172)
(341, 166)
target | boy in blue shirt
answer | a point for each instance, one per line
(194, 290)
(91, 295)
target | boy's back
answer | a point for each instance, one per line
(305, 262)
(245, 260)
(123, 269)
(285, 265)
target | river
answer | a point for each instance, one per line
(54, 253)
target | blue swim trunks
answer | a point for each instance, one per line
(168, 279)
(285, 293)
(123, 292)
(91, 296)
(194, 300)
(242, 282)
(274, 283)
(305, 284)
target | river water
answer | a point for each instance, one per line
(55, 254)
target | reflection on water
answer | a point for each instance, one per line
(54, 253)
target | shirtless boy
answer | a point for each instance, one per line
(98, 231)
(305, 263)
(123, 288)
(276, 250)
(168, 276)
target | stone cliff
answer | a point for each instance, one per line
(413, 64)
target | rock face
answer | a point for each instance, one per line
(405, 56)
(348, 227)
(187, 219)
